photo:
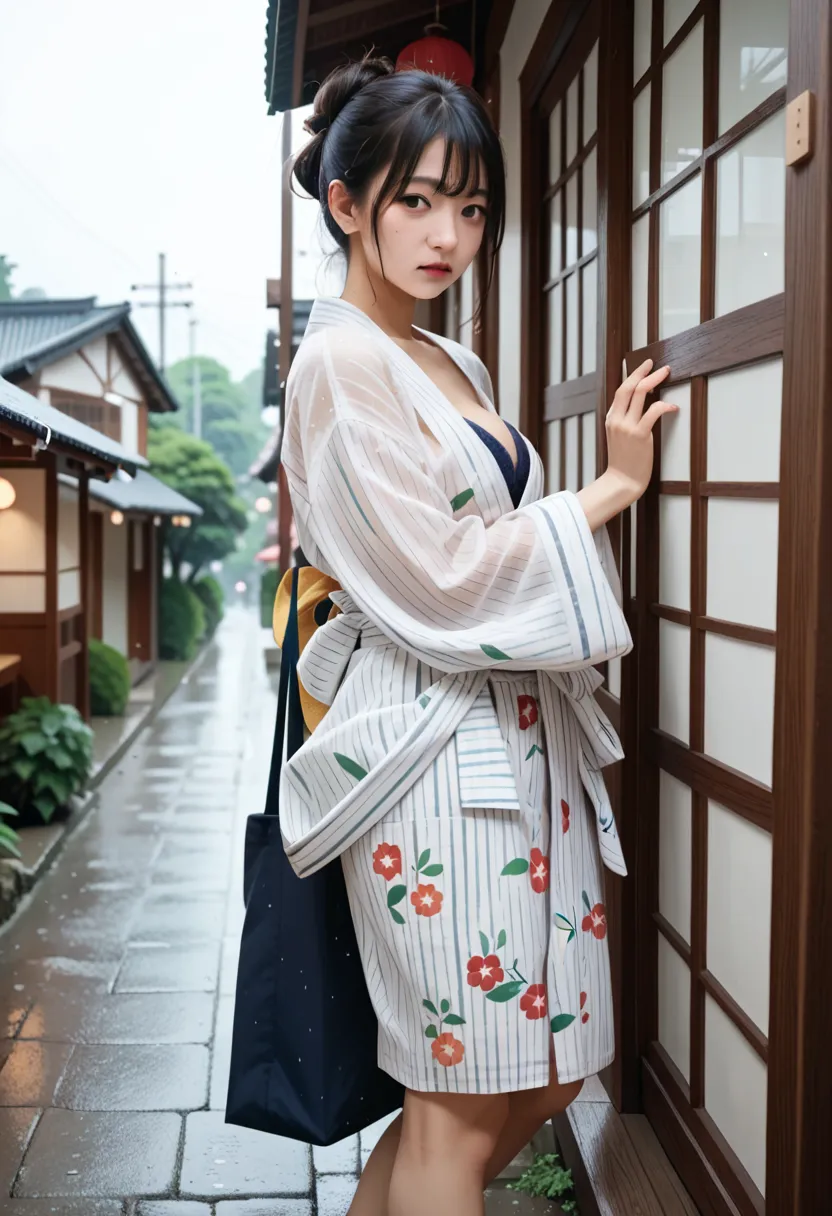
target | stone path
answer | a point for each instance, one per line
(117, 981)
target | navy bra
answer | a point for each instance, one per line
(516, 478)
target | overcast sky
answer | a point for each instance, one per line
(130, 129)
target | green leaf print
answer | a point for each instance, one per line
(459, 500)
(429, 1005)
(494, 653)
(562, 922)
(395, 896)
(561, 1021)
(534, 748)
(518, 866)
(587, 904)
(444, 1006)
(424, 858)
(397, 916)
(431, 1032)
(484, 944)
(501, 940)
(453, 1019)
(505, 992)
(350, 766)
(432, 871)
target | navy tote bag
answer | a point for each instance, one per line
(304, 1046)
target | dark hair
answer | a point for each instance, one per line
(368, 116)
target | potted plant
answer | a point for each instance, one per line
(45, 758)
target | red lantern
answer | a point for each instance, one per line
(438, 55)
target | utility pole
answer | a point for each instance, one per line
(162, 287)
(196, 381)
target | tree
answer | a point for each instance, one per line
(191, 466)
(6, 268)
(230, 412)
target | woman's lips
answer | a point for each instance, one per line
(438, 272)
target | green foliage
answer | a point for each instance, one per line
(210, 595)
(231, 420)
(6, 268)
(109, 679)
(45, 756)
(181, 620)
(190, 466)
(546, 1177)
(9, 839)
(269, 583)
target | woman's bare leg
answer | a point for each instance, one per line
(374, 1185)
(445, 1145)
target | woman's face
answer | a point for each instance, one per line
(427, 239)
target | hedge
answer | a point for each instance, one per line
(109, 680)
(181, 620)
(210, 595)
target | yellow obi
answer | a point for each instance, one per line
(313, 591)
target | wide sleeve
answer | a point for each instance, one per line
(527, 592)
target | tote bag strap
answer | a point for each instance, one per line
(288, 701)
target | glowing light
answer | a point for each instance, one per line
(116, 517)
(263, 505)
(7, 494)
(240, 587)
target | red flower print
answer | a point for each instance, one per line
(564, 815)
(387, 860)
(447, 1050)
(427, 901)
(584, 1015)
(595, 922)
(527, 711)
(485, 972)
(533, 1002)
(539, 872)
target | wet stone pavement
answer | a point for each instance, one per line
(117, 980)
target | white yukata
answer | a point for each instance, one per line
(457, 773)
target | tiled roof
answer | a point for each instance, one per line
(51, 426)
(144, 493)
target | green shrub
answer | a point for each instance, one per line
(9, 839)
(210, 595)
(109, 679)
(269, 583)
(45, 756)
(181, 620)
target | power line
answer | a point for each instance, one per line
(162, 303)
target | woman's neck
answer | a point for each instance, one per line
(389, 307)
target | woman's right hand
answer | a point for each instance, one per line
(629, 446)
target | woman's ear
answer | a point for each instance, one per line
(342, 207)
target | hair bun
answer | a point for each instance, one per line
(336, 92)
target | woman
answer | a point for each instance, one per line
(457, 771)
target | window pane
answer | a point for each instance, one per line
(753, 62)
(641, 38)
(674, 1006)
(555, 148)
(736, 1089)
(589, 236)
(641, 240)
(590, 309)
(591, 94)
(676, 13)
(641, 147)
(556, 235)
(572, 327)
(571, 428)
(680, 226)
(572, 122)
(572, 220)
(682, 106)
(556, 335)
(554, 431)
(751, 213)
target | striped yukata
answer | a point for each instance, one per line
(457, 772)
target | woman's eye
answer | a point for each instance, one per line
(473, 211)
(412, 201)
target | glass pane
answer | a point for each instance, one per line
(751, 214)
(589, 236)
(572, 327)
(676, 13)
(572, 122)
(674, 1006)
(554, 431)
(682, 106)
(676, 435)
(591, 94)
(641, 242)
(680, 226)
(753, 60)
(674, 679)
(641, 38)
(590, 309)
(641, 147)
(739, 705)
(556, 235)
(674, 551)
(742, 561)
(572, 471)
(736, 1091)
(556, 335)
(675, 845)
(572, 220)
(742, 403)
(555, 144)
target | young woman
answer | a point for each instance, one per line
(457, 771)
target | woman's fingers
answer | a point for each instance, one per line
(654, 413)
(645, 386)
(625, 391)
